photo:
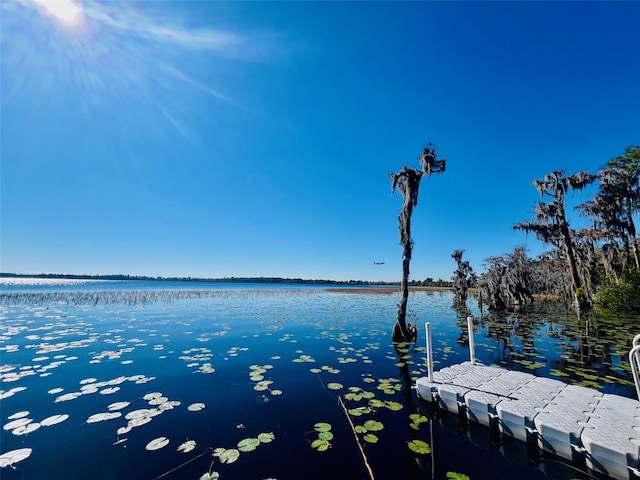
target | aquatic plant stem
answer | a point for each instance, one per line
(182, 465)
(355, 434)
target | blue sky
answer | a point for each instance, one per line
(215, 139)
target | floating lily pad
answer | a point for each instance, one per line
(18, 415)
(8, 459)
(20, 422)
(417, 418)
(393, 406)
(187, 446)
(25, 429)
(229, 456)
(248, 444)
(54, 419)
(419, 447)
(109, 391)
(322, 427)
(356, 412)
(266, 437)
(101, 417)
(151, 396)
(334, 386)
(210, 476)
(320, 445)
(373, 425)
(457, 476)
(118, 406)
(196, 407)
(325, 436)
(370, 438)
(157, 443)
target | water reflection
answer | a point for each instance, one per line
(547, 340)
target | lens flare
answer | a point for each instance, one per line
(64, 10)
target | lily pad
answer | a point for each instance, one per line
(18, 415)
(266, 437)
(187, 446)
(118, 406)
(373, 425)
(196, 407)
(248, 444)
(157, 443)
(417, 418)
(320, 445)
(370, 438)
(334, 386)
(457, 476)
(419, 447)
(21, 422)
(25, 429)
(229, 456)
(393, 406)
(54, 419)
(101, 417)
(322, 427)
(8, 459)
(210, 476)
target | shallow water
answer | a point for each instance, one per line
(200, 343)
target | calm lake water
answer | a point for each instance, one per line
(256, 374)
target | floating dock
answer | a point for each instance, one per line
(570, 421)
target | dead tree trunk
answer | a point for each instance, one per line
(407, 181)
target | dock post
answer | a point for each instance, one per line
(634, 361)
(427, 329)
(472, 347)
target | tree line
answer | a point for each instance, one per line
(598, 265)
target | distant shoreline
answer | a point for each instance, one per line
(440, 285)
(387, 291)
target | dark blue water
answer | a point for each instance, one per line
(202, 347)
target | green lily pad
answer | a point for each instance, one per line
(210, 476)
(325, 436)
(393, 406)
(322, 427)
(417, 418)
(419, 447)
(356, 412)
(248, 444)
(370, 438)
(334, 386)
(320, 445)
(229, 456)
(360, 429)
(266, 437)
(457, 476)
(373, 425)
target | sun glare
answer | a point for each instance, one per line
(64, 10)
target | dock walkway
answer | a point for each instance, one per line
(567, 420)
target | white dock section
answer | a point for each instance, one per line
(564, 419)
